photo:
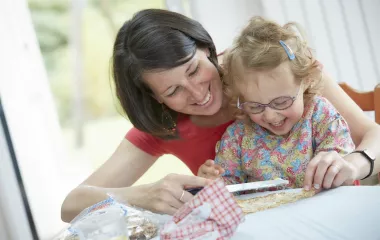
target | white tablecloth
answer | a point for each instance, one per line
(342, 213)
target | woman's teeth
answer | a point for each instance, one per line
(207, 98)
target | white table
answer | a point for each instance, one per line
(342, 213)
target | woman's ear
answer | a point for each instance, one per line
(206, 51)
(208, 54)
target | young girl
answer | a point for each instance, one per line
(282, 123)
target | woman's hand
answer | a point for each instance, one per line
(167, 195)
(329, 169)
(210, 170)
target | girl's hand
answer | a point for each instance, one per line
(167, 195)
(210, 170)
(329, 169)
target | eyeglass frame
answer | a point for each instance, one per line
(293, 99)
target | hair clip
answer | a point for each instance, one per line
(288, 51)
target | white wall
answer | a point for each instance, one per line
(344, 33)
(223, 19)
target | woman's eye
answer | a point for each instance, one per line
(174, 92)
(194, 72)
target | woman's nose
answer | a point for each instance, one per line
(197, 92)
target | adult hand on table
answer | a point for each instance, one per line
(167, 195)
(329, 169)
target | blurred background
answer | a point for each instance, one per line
(76, 39)
(57, 96)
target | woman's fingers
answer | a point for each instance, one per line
(178, 199)
(311, 170)
(171, 210)
(331, 174)
(188, 180)
(168, 195)
(178, 195)
(327, 170)
(186, 197)
(165, 208)
(346, 176)
(324, 163)
(340, 178)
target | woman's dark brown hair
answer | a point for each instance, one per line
(154, 40)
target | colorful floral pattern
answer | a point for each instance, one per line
(250, 153)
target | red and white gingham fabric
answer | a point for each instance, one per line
(221, 223)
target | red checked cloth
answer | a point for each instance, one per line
(211, 214)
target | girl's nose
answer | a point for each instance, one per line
(269, 114)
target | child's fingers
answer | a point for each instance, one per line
(217, 170)
(210, 169)
(202, 174)
(220, 169)
(214, 172)
(209, 163)
(206, 170)
(208, 175)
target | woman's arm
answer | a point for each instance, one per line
(127, 164)
(115, 177)
(364, 131)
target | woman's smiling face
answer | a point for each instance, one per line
(194, 88)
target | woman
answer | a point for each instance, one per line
(168, 81)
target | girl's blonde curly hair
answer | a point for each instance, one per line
(258, 48)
